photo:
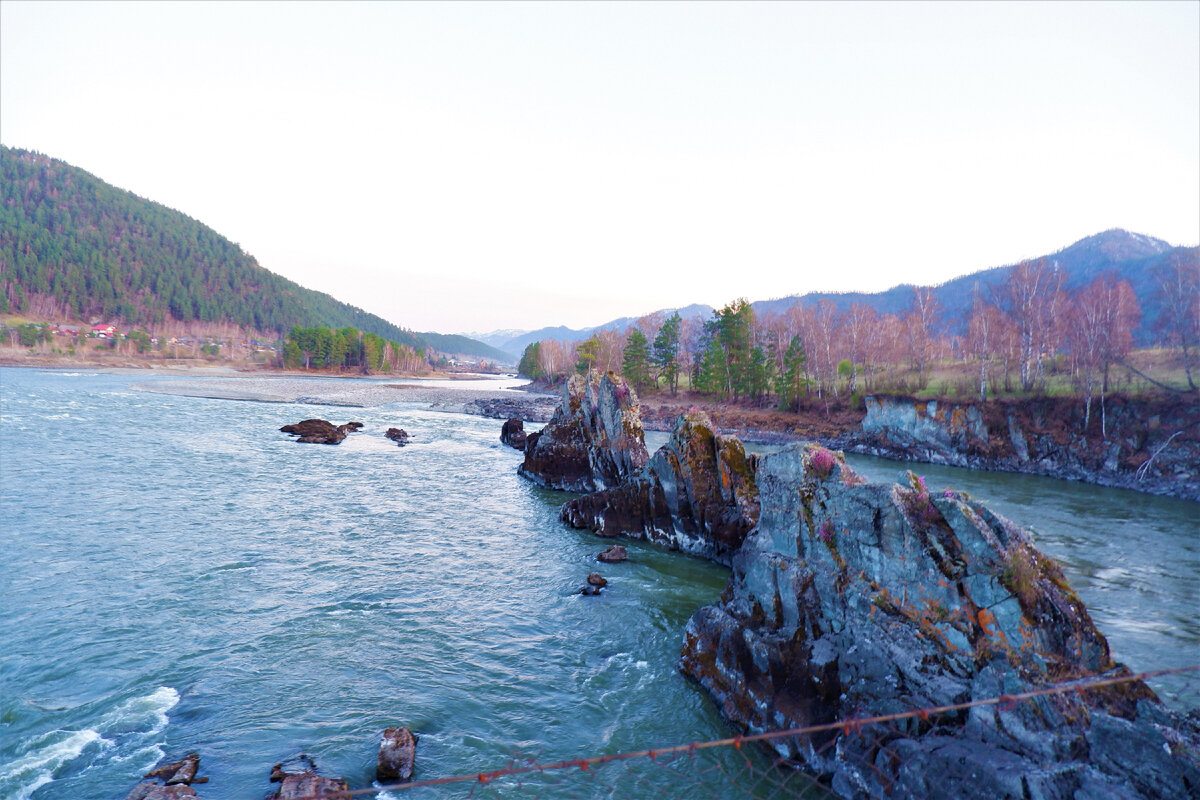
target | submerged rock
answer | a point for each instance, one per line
(697, 493)
(593, 441)
(612, 554)
(319, 431)
(397, 755)
(852, 599)
(176, 777)
(512, 433)
(307, 784)
(397, 435)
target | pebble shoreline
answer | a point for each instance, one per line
(334, 393)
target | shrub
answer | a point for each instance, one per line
(821, 462)
(918, 504)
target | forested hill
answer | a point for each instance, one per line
(73, 245)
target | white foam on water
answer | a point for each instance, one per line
(46, 754)
(146, 715)
(122, 732)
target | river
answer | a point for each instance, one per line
(178, 575)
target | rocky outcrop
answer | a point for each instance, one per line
(852, 599)
(397, 435)
(512, 433)
(697, 494)
(168, 781)
(593, 441)
(397, 755)
(319, 431)
(1151, 445)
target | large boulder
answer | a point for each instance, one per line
(593, 441)
(319, 431)
(851, 600)
(697, 493)
(397, 755)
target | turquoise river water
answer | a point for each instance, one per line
(179, 576)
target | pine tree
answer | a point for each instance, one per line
(635, 364)
(666, 351)
(791, 381)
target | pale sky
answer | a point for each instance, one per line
(466, 167)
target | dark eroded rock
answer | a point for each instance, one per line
(697, 493)
(397, 755)
(397, 435)
(512, 433)
(176, 778)
(307, 784)
(594, 440)
(852, 599)
(149, 790)
(319, 431)
(596, 579)
(613, 554)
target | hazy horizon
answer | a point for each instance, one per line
(473, 167)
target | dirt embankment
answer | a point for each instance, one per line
(813, 421)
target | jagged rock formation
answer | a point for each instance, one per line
(513, 434)
(697, 494)
(593, 441)
(852, 599)
(1152, 444)
(397, 755)
(319, 431)
(177, 778)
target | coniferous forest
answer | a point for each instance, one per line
(75, 247)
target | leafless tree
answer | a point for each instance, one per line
(1177, 291)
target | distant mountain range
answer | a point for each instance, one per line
(72, 244)
(1131, 256)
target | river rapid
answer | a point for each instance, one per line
(178, 575)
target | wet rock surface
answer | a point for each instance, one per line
(306, 784)
(512, 433)
(593, 441)
(595, 583)
(398, 435)
(319, 431)
(696, 493)
(397, 755)
(169, 780)
(613, 554)
(852, 599)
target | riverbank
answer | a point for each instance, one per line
(1148, 444)
(482, 401)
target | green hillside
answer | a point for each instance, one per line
(73, 243)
